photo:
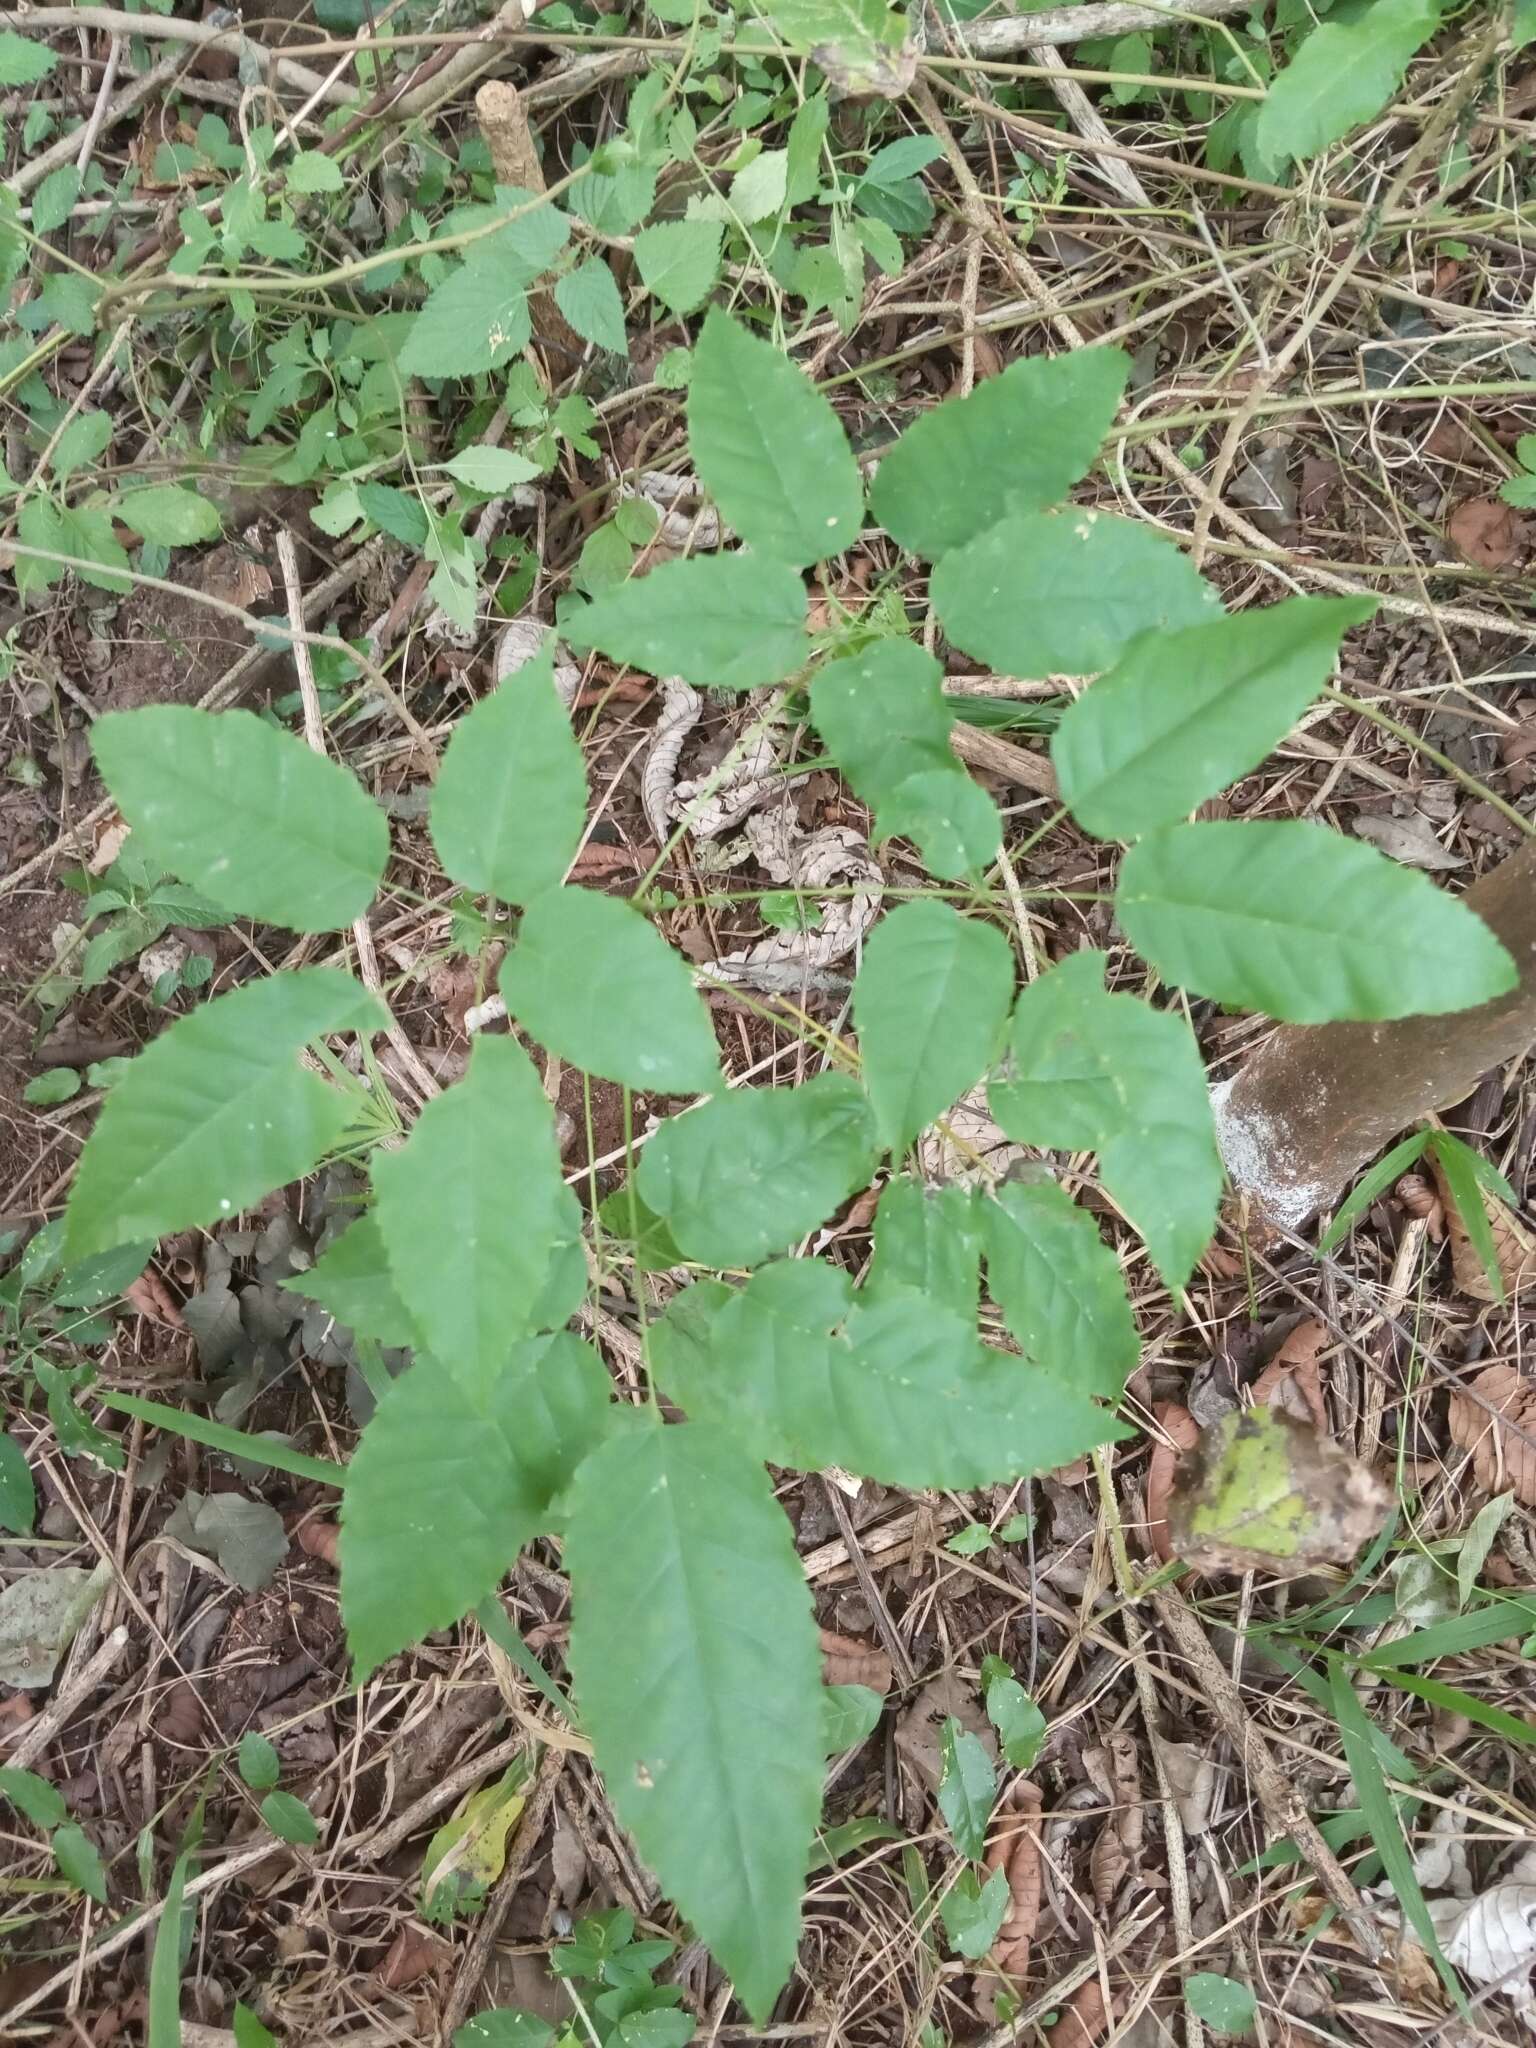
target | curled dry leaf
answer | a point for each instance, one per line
(152, 1298)
(1409, 840)
(1513, 1245)
(1487, 533)
(1292, 1380)
(1084, 2019)
(1261, 1492)
(319, 1539)
(412, 1956)
(1503, 1441)
(1015, 1848)
(1191, 1778)
(847, 1661)
(1492, 1938)
(1181, 1433)
(1419, 1198)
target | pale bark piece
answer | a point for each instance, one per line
(1499, 1428)
(1316, 1102)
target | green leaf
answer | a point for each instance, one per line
(728, 622)
(57, 1084)
(973, 1912)
(81, 443)
(644, 1235)
(246, 813)
(1376, 1182)
(491, 469)
(928, 1241)
(396, 513)
(42, 1803)
(1344, 73)
(967, 1788)
(217, 1112)
(590, 300)
(693, 1647)
(475, 1216)
(948, 816)
(970, 1541)
(290, 1820)
(1065, 591)
(1461, 1179)
(352, 1278)
(901, 1389)
(511, 796)
(23, 62)
(1183, 714)
(930, 1004)
(258, 1761)
(248, 2030)
(311, 170)
(1017, 444)
(678, 261)
(18, 1493)
(76, 1857)
(54, 200)
(165, 1957)
(504, 2028)
(473, 322)
(1296, 921)
(1020, 1725)
(1088, 1071)
(1225, 2006)
(849, 1714)
(599, 985)
(1059, 1287)
(1472, 1552)
(749, 1171)
(169, 516)
(758, 191)
(770, 449)
(861, 28)
(451, 1478)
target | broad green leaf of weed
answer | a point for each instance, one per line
(54, 200)
(1090, 1071)
(492, 470)
(81, 442)
(79, 1861)
(1294, 920)
(930, 1005)
(246, 813)
(1020, 1725)
(290, 1819)
(927, 1241)
(596, 983)
(1381, 1176)
(770, 449)
(1183, 714)
(849, 1714)
(475, 1216)
(950, 818)
(728, 622)
(473, 322)
(591, 302)
(1343, 74)
(41, 1803)
(1472, 1551)
(1017, 444)
(973, 1912)
(258, 1761)
(627, 1221)
(1225, 2006)
(248, 2030)
(465, 1856)
(396, 513)
(1043, 592)
(758, 190)
(23, 59)
(855, 25)
(901, 1390)
(1059, 1287)
(693, 1647)
(451, 1479)
(311, 170)
(678, 261)
(352, 1278)
(1461, 1167)
(754, 1169)
(967, 1788)
(504, 2027)
(511, 795)
(247, 1537)
(217, 1112)
(169, 515)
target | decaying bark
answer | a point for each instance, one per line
(1316, 1102)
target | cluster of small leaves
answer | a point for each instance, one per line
(712, 1736)
(621, 2004)
(75, 1855)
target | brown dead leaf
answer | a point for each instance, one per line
(114, 836)
(1419, 1198)
(1487, 533)
(595, 860)
(1513, 1245)
(847, 1661)
(1501, 1458)
(1016, 1849)
(16, 1711)
(1263, 1492)
(179, 1717)
(319, 1539)
(412, 1956)
(1180, 1426)
(1322, 481)
(151, 1297)
(1108, 1866)
(917, 1728)
(1084, 2019)
(1191, 1776)
(1448, 441)
(1292, 1380)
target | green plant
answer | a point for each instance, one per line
(610, 1978)
(75, 1855)
(692, 1645)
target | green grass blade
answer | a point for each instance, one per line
(239, 1443)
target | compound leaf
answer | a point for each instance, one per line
(245, 812)
(747, 1172)
(1296, 921)
(216, 1112)
(451, 1478)
(927, 1240)
(1089, 1071)
(1017, 444)
(693, 1648)
(352, 1278)
(930, 1004)
(1183, 714)
(597, 984)
(1042, 592)
(511, 795)
(475, 1216)
(729, 622)
(1343, 74)
(1059, 1287)
(770, 449)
